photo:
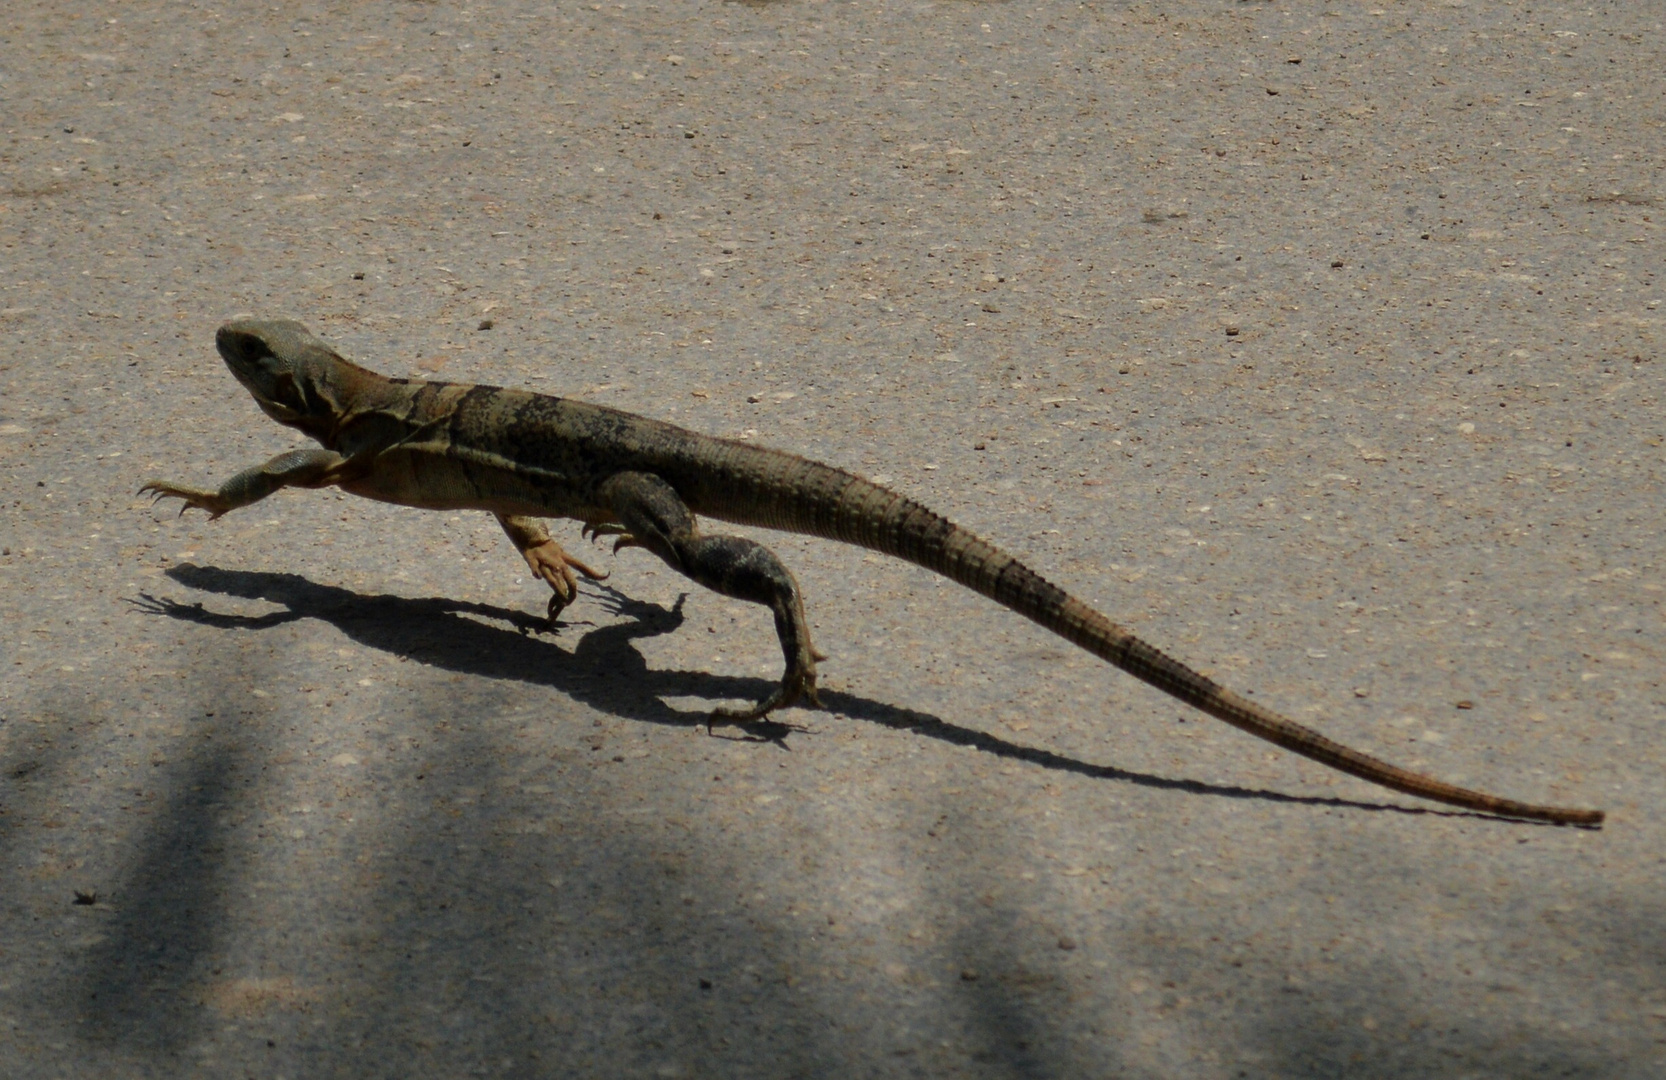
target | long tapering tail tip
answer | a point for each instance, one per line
(1590, 819)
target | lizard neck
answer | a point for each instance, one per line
(347, 398)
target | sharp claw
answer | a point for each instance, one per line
(594, 533)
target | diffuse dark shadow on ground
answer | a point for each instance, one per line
(1274, 1011)
(150, 914)
(169, 912)
(29, 768)
(1378, 1018)
(569, 950)
(605, 672)
(482, 961)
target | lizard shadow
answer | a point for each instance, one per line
(603, 669)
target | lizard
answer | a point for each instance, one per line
(523, 456)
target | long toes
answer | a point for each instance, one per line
(761, 709)
(792, 691)
(590, 572)
(559, 583)
(740, 716)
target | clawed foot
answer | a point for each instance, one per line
(555, 568)
(766, 730)
(192, 498)
(797, 685)
(595, 530)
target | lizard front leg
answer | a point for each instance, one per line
(655, 517)
(548, 562)
(297, 468)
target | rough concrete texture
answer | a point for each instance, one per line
(1320, 343)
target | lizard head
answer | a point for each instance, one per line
(291, 374)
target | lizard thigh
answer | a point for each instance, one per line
(657, 519)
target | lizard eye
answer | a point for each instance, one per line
(240, 349)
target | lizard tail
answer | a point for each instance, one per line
(828, 502)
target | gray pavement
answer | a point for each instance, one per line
(1320, 343)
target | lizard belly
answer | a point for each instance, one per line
(442, 482)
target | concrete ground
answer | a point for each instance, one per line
(1319, 343)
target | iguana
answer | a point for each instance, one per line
(521, 455)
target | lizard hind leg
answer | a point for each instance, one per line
(655, 517)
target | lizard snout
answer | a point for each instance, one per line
(240, 349)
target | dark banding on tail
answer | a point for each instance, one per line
(753, 486)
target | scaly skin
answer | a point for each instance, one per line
(520, 455)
